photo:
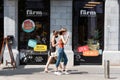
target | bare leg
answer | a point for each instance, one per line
(64, 67)
(47, 64)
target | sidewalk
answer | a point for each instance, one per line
(35, 72)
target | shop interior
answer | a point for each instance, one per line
(88, 26)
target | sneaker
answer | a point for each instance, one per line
(57, 73)
(65, 72)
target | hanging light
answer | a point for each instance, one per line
(87, 7)
(90, 5)
(94, 2)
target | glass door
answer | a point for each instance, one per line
(1, 22)
(88, 26)
(34, 30)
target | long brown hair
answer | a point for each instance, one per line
(55, 32)
(62, 30)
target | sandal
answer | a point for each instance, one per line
(46, 71)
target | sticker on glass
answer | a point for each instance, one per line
(28, 25)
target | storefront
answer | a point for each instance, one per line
(1, 23)
(33, 31)
(88, 26)
(93, 26)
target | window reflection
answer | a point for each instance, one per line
(88, 26)
(37, 12)
(34, 30)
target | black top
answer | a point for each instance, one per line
(53, 49)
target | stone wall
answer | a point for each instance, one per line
(112, 33)
(10, 19)
(111, 25)
(61, 15)
(11, 28)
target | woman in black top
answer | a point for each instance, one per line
(53, 53)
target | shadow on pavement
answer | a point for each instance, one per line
(73, 72)
(18, 71)
(77, 72)
(113, 78)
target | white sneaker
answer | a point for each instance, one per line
(65, 72)
(57, 73)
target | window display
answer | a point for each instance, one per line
(88, 26)
(34, 30)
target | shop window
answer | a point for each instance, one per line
(33, 30)
(1, 22)
(88, 26)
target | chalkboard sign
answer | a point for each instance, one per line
(6, 42)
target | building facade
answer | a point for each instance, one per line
(93, 26)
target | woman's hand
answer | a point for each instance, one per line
(68, 35)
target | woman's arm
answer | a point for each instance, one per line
(53, 41)
(64, 41)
